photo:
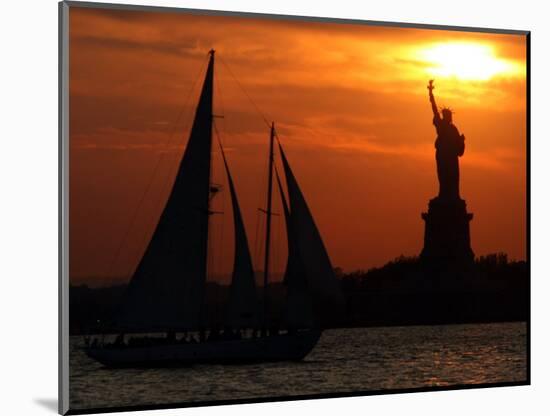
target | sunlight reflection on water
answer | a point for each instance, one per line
(344, 360)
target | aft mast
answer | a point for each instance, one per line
(268, 230)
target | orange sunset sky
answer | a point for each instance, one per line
(351, 108)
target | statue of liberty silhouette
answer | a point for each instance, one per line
(449, 147)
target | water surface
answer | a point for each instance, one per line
(344, 360)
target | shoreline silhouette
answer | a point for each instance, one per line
(395, 294)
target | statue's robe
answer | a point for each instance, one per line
(449, 147)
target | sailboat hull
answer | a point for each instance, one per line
(286, 347)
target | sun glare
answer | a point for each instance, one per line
(466, 61)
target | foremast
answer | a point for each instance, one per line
(268, 214)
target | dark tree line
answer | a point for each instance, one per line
(401, 292)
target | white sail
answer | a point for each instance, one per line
(242, 309)
(166, 290)
(318, 271)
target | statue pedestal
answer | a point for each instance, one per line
(447, 233)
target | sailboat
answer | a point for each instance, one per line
(166, 294)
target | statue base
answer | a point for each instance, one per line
(447, 234)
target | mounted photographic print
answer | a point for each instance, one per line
(259, 208)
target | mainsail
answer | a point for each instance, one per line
(166, 290)
(242, 310)
(317, 268)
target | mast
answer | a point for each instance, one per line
(202, 296)
(268, 226)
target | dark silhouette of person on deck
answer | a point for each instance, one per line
(449, 147)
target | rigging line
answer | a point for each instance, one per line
(220, 229)
(275, 238)
(256, 239)
(277, 137)
(312, 130)
(219, 265)
(245, 93)
(150, 182)
(219, 140)
(133, 218)
(174, 167)
(283, 223)
(209, 266)
(276, 245)
(223, 196)
(222, 105)
(259, 243)
(217, 252)
(173, 164)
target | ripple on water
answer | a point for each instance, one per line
(344, 360)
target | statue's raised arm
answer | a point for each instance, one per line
(432, 99)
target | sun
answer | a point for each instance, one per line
(465, 61)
